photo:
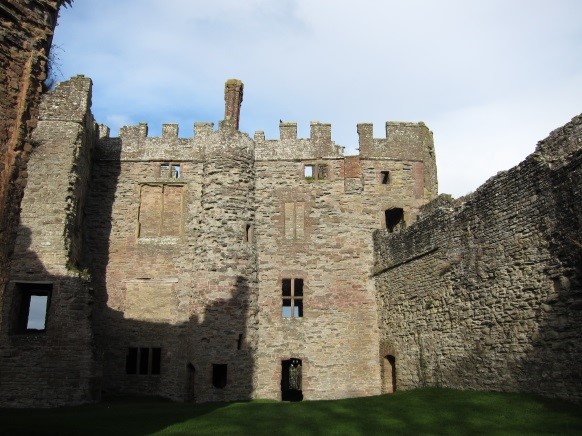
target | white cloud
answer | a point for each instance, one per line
(489, 78)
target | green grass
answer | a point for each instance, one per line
(423, 411)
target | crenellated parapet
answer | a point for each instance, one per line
(319, 145)
(404, 140)
(134, 143)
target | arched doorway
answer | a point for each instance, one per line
(291, 380)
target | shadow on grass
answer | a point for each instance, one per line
(121, 415)
(424, 411)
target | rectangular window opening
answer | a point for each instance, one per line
(165, 170)
(248, 233)
(176, 171)
(219, 373)
(170, 170)
(385, 177)
(292, 298)
(34, 302)
(131, 361)
(143, 361)
(315, 171)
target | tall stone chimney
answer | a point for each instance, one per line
(233, 97)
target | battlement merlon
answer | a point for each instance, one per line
(404, 141)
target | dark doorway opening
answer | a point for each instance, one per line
(219, 372)
(389, 374)
(191, 387)
(291, 380)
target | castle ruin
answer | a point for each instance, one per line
(223, 267)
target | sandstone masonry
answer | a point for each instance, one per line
(210, 268)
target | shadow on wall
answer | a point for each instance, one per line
(208, 357)
(46, 338)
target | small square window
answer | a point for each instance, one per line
(34, 301)
(315, 171)
(176, 171)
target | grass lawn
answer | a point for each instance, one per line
(423, 411)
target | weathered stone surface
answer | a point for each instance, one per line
(187, 242)
(25, 38)
(482, 292)
(55, 366)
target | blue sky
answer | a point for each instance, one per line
(489, 78)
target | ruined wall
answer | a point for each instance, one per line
(485, 292)
(46, 352)
(27, 28)
(317, 227)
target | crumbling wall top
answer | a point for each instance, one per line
(70, 101)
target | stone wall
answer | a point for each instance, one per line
(318, 229)
(173, 268)
(165, 259)
(485, 292)
(46, 352)
(27, 28)
(201, 278)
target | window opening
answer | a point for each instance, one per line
(291, 380)
(315, 171)
(143, 361)
(248, 233)
(385, 177)
(292, 293)
(170, 170)
(321, 172)
(131, 361)
(219, 372)
(394, 219)
(34, 300)
(165, 170)
(239, 342)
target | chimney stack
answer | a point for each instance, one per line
(233, 96)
